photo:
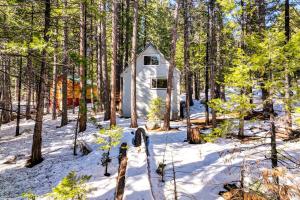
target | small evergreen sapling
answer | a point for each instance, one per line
(29, 196)
(110, 137)
(71, 187)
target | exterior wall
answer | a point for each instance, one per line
(144, 91)
(77, 93)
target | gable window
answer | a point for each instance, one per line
(151, 60)
(159, 83)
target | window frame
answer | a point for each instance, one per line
(151, 55)
(159, 77)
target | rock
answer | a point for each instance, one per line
(85, 149)
(11, 160)
(152, 125)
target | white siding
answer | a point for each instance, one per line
(143, 86)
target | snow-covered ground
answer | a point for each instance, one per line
(200, 171)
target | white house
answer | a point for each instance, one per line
(151, 82)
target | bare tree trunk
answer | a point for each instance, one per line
(104, 63)
(288, 109)
(6, 114)
(127, 33)
(171, 71)
(29, 86)
(207, 67)
(29, 70)
(191, 88)
(145, 23)
(82, 71)
(91, 66)
(267, 103)
(99, 65)
(212, 56)
(64, 115)
(243, 27)
(196, 85)
(47, 90)
(55, 59)
(19, 98)
(120, 51)
(36, 151)
(73, 89)
(134, 123)
(114, 63)
(186, 11)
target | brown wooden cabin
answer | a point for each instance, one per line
(76, 92)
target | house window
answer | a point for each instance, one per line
(151, 60)
(159, 83)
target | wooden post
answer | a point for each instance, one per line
(122, 171)
(138, 137)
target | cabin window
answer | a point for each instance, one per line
(151, 60)
(159, 83)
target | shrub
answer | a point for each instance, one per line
(114, 135)
(72, 187)
(156, 110)
(29, 196)
(224, 129)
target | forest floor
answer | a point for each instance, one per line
(200, 170)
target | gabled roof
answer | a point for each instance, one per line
(141, 51)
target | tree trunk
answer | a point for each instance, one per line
(29, 86)
(104, 63)
(36, 151)
(267, 105)
(195, 136)
(55, 59)
(145, 23)
(207, 67)
(196, 85)
(113, 121)
(191, 88)
(186, 7)
(82, 71)
(127, 33)
(212, 58)
(29, 71)
(288, 107)
(91, 62)
(73, 89)
(19, 98)
(99, 65)
(6, 113)
(243, 34)
(64, 115)
(167, 116)
(47, 90)
(134, 123)
(120, 51)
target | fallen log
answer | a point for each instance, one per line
(121, 172)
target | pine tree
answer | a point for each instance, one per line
(106, 87)
(82, 71)
(171, 71)
(36, 150)
(186, 11)
(133, 123)
(64, 116)
(113, 121)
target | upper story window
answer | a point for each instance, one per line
(151, 60)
